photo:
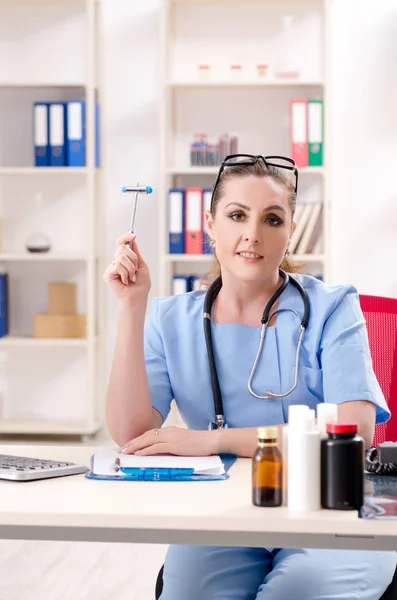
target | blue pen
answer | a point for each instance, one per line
(161, 474)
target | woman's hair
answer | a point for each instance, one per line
(258, 169)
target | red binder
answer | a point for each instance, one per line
(298, 125)
(194, 221)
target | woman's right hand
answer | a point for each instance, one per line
(128, 275)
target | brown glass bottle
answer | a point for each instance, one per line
(267, 469)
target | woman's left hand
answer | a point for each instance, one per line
(173, 440)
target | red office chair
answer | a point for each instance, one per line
(381, 318)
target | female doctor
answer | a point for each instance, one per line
(250, 225)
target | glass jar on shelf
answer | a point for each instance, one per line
(38, 241)
(204, 72)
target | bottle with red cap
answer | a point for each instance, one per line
(342, 467)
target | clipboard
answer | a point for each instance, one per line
(158, 473)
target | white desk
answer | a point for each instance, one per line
(215, 513)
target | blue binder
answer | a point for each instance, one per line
(176, 220)
(164, 474)
(76, 133)
(207, 194)
(41, 126)
(58, 131)
(4, 305)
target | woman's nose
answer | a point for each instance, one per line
(252, 235)
(251, 239)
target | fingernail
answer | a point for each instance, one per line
(138, 452)
(122, 450)
(133, 278)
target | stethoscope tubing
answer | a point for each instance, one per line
(209, 300)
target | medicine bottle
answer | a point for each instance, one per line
(267, 469)
(326, 412)
(342, 468)
(304, 464)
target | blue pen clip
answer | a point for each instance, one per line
(160, 474)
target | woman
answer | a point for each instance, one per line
(250, 225)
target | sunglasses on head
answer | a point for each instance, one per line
(285, 165)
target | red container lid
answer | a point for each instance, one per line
(341, 427)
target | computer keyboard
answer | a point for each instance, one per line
(24, 468)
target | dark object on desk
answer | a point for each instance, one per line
(375, 460)
(387, 452)
(23, 468)
(342, 467)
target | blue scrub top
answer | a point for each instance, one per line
(335, 363)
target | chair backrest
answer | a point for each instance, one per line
(381, 318)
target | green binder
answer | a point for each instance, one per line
(315, 124)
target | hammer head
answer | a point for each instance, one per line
(140, 189)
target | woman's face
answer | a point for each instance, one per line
(251, 227)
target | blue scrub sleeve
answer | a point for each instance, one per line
(345, 357)
(156, 364)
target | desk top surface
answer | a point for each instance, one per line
(76, 501)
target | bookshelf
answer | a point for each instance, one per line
(242, 83)
(43, 171)
(219, 33)
(50, 386)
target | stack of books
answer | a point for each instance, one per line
(308, 230)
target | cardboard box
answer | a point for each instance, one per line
(59, 326)
(62, 298)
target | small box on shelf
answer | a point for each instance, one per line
(262, 70)
(61, 320)
(204, 72)
(236, 72)
(59, 326)
(62, 299)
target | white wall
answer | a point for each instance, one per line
(364, 101)
(129, 91)
(364, 215)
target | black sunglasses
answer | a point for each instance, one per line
(276, 162)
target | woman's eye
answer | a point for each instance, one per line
(236, 216)
(274, 221)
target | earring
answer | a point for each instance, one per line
(212, 244)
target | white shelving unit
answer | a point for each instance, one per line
(221, 33)
(50, 53)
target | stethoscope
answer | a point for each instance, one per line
(209, 300)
